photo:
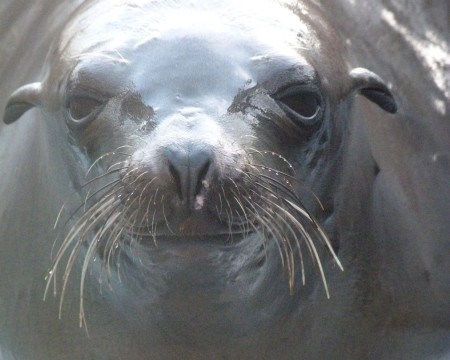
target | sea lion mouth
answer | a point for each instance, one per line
(169, 247)
(195, 227)
(226, 236)
(192, 236)
(217, 239)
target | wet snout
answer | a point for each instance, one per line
(191, 165)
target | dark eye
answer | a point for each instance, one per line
(83, 109)
(301, 105)
(80, 107)
(306, 105)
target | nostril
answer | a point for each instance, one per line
(201, 177)
(176, 179)
(189, 165)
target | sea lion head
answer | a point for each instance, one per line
(213, 137)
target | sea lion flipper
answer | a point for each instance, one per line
(373, 88)
(21, 100)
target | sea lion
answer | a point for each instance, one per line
(200, 152)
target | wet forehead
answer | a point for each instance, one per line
(120, 24)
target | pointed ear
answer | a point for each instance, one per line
(21, 100)
(373, 88)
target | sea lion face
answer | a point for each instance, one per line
(201, 112)
(209, 132)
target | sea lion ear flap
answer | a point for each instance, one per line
(21, 100)
(373, 88)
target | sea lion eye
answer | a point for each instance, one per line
(301, 105)
(83, 108)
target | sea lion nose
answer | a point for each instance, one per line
(189, 166)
